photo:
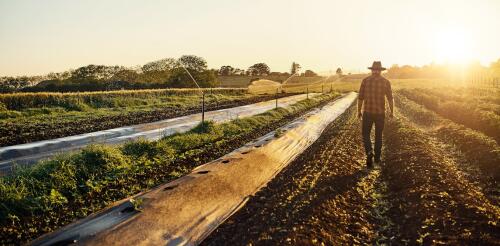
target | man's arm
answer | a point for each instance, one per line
(361, 97)
(360, 105)
(388, 94)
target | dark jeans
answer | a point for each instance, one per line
(367, 122)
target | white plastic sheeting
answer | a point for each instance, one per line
(187, 210)
(31, 152)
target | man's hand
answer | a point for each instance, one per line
(360, 115)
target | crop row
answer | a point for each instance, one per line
(53, 193)
(431, 201)
(18, 101)
(486, 101)
(463, 93)
(460, 112)
(30, 129)
(479, 149)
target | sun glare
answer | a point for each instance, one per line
(453, 46)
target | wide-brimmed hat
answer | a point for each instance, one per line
(377, 65)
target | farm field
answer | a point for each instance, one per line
(76, 185)
(252, 123)
(244, 81)
(294, 84)
(352, 83)
(29, 117)
(325, 84)
(437, 184)
(479, 112)
(12, 157)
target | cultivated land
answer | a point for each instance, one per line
(54, 193)
(438, 182)
(243, 81)
(352, 83)
(29, 117)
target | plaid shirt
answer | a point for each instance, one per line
(372, 91)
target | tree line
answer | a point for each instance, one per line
(163, 73)
(434, 71)
(262, 69)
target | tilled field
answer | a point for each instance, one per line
(418, 195)
(432, 201)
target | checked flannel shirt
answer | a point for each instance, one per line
(373, 91)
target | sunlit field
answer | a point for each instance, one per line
(325, 122)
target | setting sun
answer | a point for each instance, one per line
(454, 46)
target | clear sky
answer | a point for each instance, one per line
(37, 37)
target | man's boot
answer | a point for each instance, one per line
(369, 160)
(377, 159)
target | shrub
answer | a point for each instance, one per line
(143, 148)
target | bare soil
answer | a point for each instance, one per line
(418, 195)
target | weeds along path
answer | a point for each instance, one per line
(476, 155)
(431, 200)
(324, 196)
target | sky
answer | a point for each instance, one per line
(38, 37)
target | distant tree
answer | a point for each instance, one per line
(193, 63)
(128, 75)
(238, 71)
(393, 71)
(339, 72)
(259, 69)
(310, 73)
(295, 68)
(180, 79)
(10, 84)
(226, 70)
(160, 65)
(95, 72)
(154, 76)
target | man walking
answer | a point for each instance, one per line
(371, 99)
